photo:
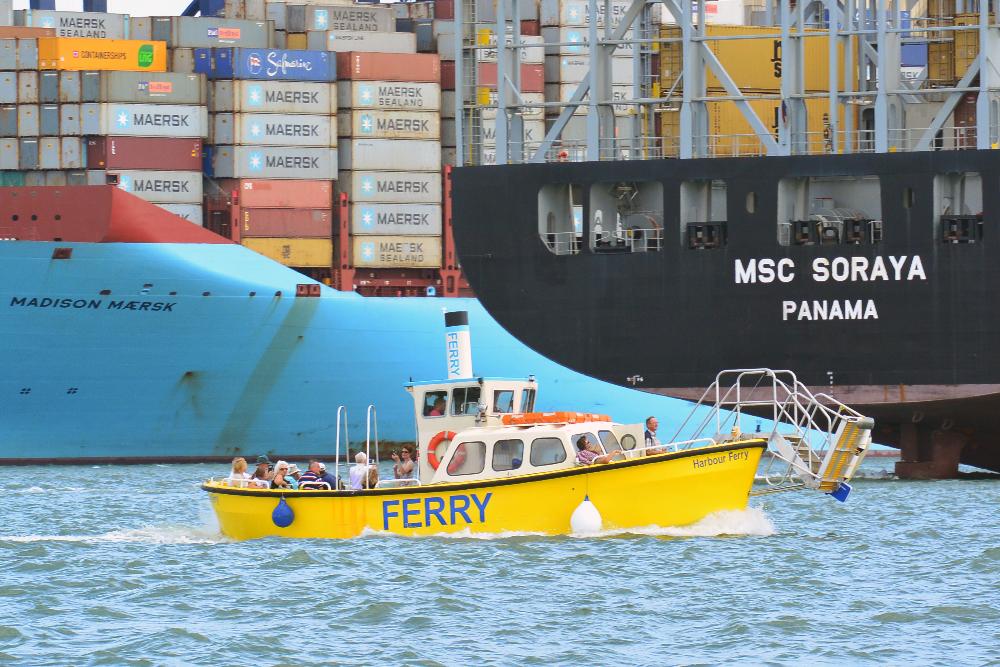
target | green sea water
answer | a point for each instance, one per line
(123, 565)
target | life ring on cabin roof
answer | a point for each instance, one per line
(432, 446)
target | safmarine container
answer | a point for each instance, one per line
(389, 124)
(154, 120)
(395, 187)
(303, 17)
(253, 193)
(190, 212)
(195, 32)
(101, 54)
(418, 67)
(396, 219)
(301, 252)
(389, 95)
(390, 155)
(274, 162)
(397, 251)
(144, 153)
(269, 64)
(76, 24)
(146, 87)
(274, 97)
(380, 42)
(167, 187)
(272, 129)
(286, 222)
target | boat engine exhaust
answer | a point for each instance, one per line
(458, 345)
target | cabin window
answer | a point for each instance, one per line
(609, 441)
(547, 452)
(560, 217)
(958, 207)
(469, 459)
(465, 400)
(435, 403)
(507, 455)
(503, 401)
(591, 440)
(528, 400)
(829, 210)
(703, 214)
(626, 216)
(628, 441)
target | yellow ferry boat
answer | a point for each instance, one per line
(488, 463)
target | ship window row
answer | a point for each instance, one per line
(629, 216)
(467, 401)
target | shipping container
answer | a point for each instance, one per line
(69, 86)
(390, 155)
(48, 153)
(274, 97)
(396, 219)
(487, 99)
(574, 69)
(304, 253)
(532, 77)
(140, 27)
(393, 187)
(48, 119)
(27, 156)
(76, 24)
(574, 41)
(101, 54)
(143, 87)
(182, 61)
(420, 67)
(8, 87)
(266, 64)
(271, 129)
(27, 53)
(274, 162)
(48, 87)
(71, 153)
(198, 32)
(533, 53)
(27, 120)
(389, 124)
(8, 121)
(27, 87)
(565, 13)
(190, 212)
(162, 187)
(252, 193)
(564, 93)
(381, 42)
(389, 95)
(277, 12)
(967, 42)
(396, 251)
(154, 120)
(24, 32)
(8, 159)
(70, 121)
(145, 153)
(90, 119)
(286, 222)
(349, 18)
(486, 10)
(534, 132)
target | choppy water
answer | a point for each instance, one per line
(122, 565)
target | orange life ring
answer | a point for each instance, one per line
(432, 447)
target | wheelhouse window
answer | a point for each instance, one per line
(435, 403)
(560, 217)
(527, 400)
(703, 214)
(507, 455)
(626, 216)
(830, 210)
(503, 401)
(628, 442)
(609, 441)
(469, 459)
(465, 400)
(591, 440)
(547, 452)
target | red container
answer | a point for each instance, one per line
(532, 77)
(163, 153)
(254, 193)
(24, 32)
(444, 9)
(286, 222)
(532, 29)
(412, 67)
(447, 75)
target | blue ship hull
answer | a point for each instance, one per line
(171, 352)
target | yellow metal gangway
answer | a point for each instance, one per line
(815, 442)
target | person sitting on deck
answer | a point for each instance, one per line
(372, 480)
(589, 453)
(403, 467)
(262, 475)
(359, 472)
(327, 477)
(281, 480)
(294, 473)
(311, 479)
(238, 476)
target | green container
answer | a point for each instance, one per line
(11, 178)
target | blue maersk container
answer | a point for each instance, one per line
(265, 64)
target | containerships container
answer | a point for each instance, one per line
(101, 54)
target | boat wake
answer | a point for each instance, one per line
(165, 534)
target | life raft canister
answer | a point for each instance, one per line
(432, 446)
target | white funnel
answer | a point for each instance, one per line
(458, 345)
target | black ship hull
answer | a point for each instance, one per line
(893, 310)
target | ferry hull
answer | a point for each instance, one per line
(665, 490)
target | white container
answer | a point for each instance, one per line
(529, 113)
(79, 24)
(280, 162)
(391, 187)
(154, 120)
(564, 93)
(534, 132)
(388, 95)
(397, 251)
(351, 18)
(578, 36)
(377, 124)
(555, 13)
(396, 219)
(273, 129)
(305, 97)
(190, 212)
(390, 155)
(161, 187)
(533, 54)
(383, 42)
(574, 69)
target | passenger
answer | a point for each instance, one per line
(327, 477)
(311, 479)
(372, 479)
(280, 479)
(403, 467)
(359, 472)
(294, 473)
(438, 409)
(238, 476)
(589, 453)
(653, 445)
(262, 475)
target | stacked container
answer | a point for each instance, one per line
(389, 122)
(184, 34)
(274, 119)
(359, 27)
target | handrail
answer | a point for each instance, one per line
(342, 409)
(371, 418)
